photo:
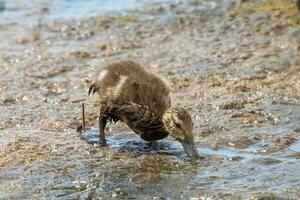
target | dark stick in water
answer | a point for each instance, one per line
(83, 118)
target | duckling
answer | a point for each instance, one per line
(130, 93)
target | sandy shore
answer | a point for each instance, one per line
(236, 67)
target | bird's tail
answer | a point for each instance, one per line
(93, 88)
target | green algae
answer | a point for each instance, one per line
(119, 18)
(22, 152)
(286, 10)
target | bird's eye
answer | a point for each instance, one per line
(177, 125)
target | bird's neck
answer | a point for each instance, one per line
(166, 118)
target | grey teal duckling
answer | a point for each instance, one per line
(130, 93)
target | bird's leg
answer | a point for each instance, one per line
(102, 124)
(154, 145)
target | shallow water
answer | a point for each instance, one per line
(13, 11)
(295, 146)
(237, 73)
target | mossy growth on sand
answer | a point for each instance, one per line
(283, 9)
(120, 18)
(20, 152)
(179, 82)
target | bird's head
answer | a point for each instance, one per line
(178, 123)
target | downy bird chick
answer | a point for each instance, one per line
(141, 99)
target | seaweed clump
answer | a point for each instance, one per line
(285, 10)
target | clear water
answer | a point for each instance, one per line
(295, 146)
(15, 11)
(81, 8)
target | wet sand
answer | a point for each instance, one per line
(235, 67)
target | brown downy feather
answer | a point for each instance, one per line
(135, 96)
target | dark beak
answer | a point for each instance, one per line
(189, 148)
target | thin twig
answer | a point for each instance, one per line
(83, 117)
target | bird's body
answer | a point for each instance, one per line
(131, 94)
